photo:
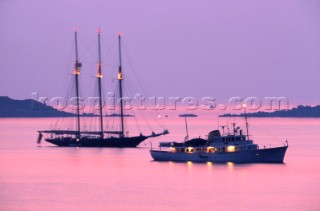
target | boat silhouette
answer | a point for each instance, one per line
(101, 138)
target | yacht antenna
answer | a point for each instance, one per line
(228, 129)
(120, 78)
(185, 119)
(246, 119)
(223, 126)
(234, 128)
(99, 77)
(76, 73)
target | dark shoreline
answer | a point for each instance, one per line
(296, 112)
(10, 108)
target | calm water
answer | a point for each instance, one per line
(53, 178)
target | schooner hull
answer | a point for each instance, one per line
(125, 142)
(271, 155)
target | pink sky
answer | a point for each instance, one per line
(181, 48)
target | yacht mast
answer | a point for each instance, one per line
(99, 77)
(246, 118)
(120, 87)
(185, 119)
(76, 73)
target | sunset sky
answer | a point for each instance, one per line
(178, 48)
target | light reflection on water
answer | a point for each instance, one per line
(47, 177)
(209, 165)
(230, 165)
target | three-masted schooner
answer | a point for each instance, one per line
(79, 138)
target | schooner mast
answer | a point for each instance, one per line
(99, 77)
(120, 78)
(76, 74)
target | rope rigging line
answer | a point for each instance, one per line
(138, 77)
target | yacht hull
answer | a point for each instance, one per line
(126, 142)
(270, 155)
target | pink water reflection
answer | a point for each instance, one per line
(47, 177)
